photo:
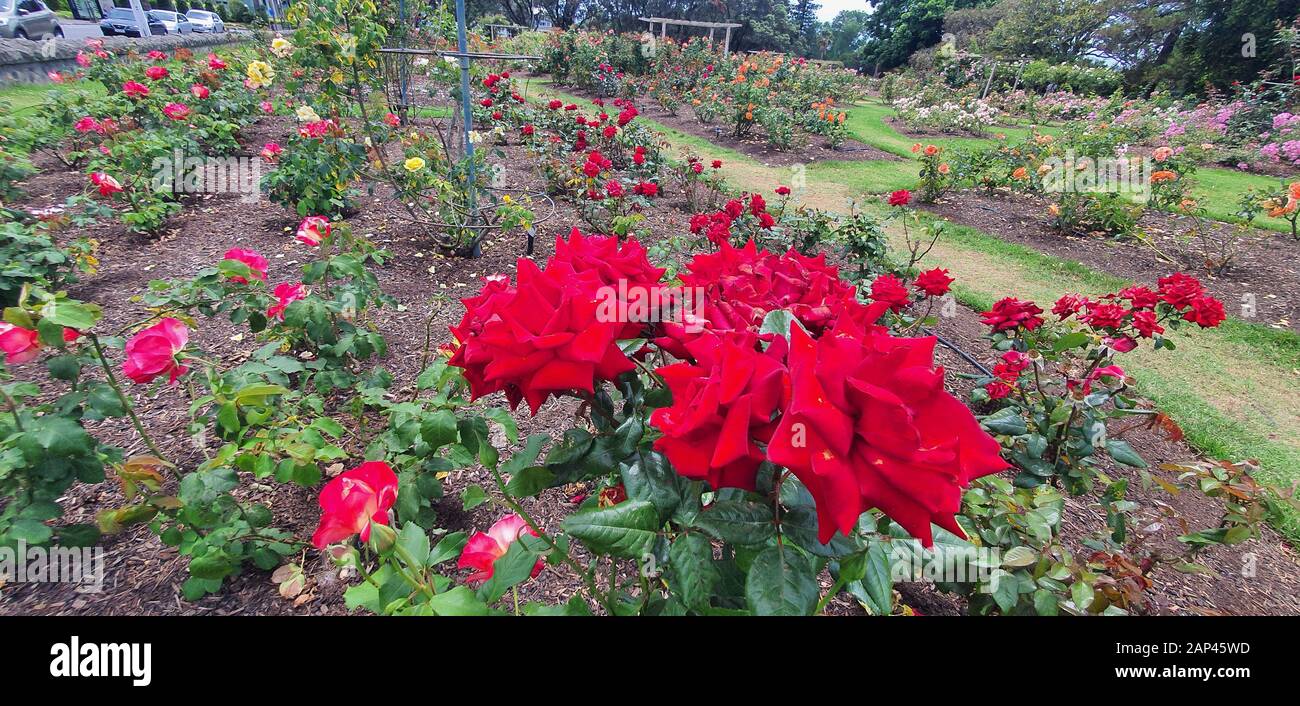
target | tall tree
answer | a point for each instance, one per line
(897, 28)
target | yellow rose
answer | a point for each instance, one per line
(260, 74)
(414, 164)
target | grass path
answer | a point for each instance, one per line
(1232, 389)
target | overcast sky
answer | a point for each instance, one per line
(831, 8)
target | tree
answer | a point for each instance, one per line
(897, 28)
(1056, 30)
(847, 32)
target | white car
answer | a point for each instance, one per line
(175, 23)
(205, 21)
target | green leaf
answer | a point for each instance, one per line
(416, 544)
(652, 478)
(1005, 421)
(738, 522)
(503, 419)
(1123, 453)
(693, 573)
(458, 601)
(439, 429)
(32, 532)
(64, 367)
(627, 529)
(511, 569)
(877, 581)
(1006, 590)
(529, 482)
(447, 548)
(781, 582)
(1071, 340)
(472, 496)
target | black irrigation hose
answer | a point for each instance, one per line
(965, 356)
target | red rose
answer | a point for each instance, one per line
(888, 289)
(1178, 290)
(1104, 315)
(107, 185)
(648, 189)
(902, 197)
(554, 105)
(176, 111)
(527, 129)
(997, 389)
(933, 283)
(870, 425)
(697, 167)
(285, 294)
(717, 164)
(722, 408)
(1069, 305)
(1145, 323)
(538, 339)
(614, 188)
(1206, 312)
(18, 344)
(782, 191)
(1140, 297)
(483, 549)
(135, 89)
(152, 352)
(1010, 313)
(313, 229)
(757, 204)
(255, 262)
(353, 500)
(156, 73)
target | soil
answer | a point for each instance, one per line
(815, 149)
(143, 576)
(1265, 272)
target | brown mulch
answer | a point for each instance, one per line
(1267, 267)
(143, 576)
(814, 149)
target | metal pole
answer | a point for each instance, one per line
(401, 70)
(467, 109)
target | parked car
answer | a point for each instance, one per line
(205, 21)
(175, 23)
(28, 19)
(121, 20)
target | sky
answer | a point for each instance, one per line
(831, 8)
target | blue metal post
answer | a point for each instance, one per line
(462, 45)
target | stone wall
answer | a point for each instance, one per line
(26, 61)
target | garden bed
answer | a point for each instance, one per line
(143, 574)
(816, 148)
(1266, 268)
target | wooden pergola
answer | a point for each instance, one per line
(711, 26)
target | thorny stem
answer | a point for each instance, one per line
(126, 403)
(13, 409)
(550, 543)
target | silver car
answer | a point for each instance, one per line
(174, 22)
(28, 19)
(205, 21)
